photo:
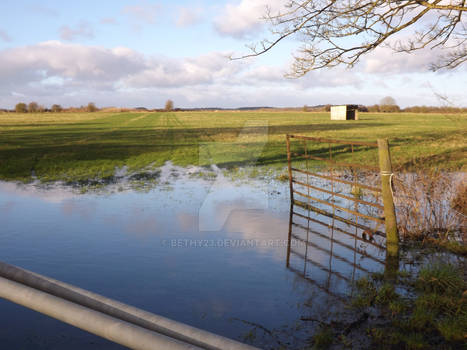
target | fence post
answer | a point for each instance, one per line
(289, 162)
(392, 236)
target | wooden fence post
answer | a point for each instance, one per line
(392, 236)
(289, 162)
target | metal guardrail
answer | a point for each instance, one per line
(110, 319)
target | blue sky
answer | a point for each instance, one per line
(140, 53)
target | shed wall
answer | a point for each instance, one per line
(338, 112)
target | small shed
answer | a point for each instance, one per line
(344, 112)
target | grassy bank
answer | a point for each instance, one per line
(403, 310)
(430, 314)
(76, 146)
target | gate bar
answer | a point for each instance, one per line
(319, 139)
(333, 216)
(319, 265)
(376, 205)
(343, 232)
(316, 284)
(330, 161)
(375, 189)
(350, 211)
(334, 255)
(167, 327)
(95, 322)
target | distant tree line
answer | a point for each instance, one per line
(412, 109)
(377, 108)
(388, 105)
(34, 107)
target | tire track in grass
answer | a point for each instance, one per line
(97, 136)
(166, 145)
(139, 138)
(75, 130)
(117, 123)
(170, 132)
(107, 132)
(143, 125)
(177, 132)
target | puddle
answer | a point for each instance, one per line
(226, 256)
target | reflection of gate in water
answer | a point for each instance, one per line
(323, 251)
(336, 229)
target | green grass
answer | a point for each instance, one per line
(78, 146)
(431, 314)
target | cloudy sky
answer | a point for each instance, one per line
(140, 53)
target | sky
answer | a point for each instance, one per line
(140, 53)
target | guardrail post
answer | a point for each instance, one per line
(289, 162)
(392, 236)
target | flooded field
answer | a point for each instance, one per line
(229, 256)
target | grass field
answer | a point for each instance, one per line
(77, 146)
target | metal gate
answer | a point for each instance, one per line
(355, 194)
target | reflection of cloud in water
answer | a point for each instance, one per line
(257, 224)
(142, 226)
(223, 198)
(213, 308)
(7, 206)
(141, 222)
(267, 228)
(214, 215)
(187, 222)
(85, 210)
(55, 194)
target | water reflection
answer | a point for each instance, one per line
(119, 244)
(327, 252)
(330, 253)
(270, 268)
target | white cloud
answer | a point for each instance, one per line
(53, 67)
(385, 60)
(246, 18)
(188, 16)
(262, 74)
(206, 69)
(4, 36)
(74, 74)
(82, 30)
(76, 64)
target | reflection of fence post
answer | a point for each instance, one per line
(289, 239)
(392, 236)
(289, 162)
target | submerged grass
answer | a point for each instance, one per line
(77, 146)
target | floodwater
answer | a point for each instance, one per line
(228, 256)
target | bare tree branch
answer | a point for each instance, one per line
(340, 32)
